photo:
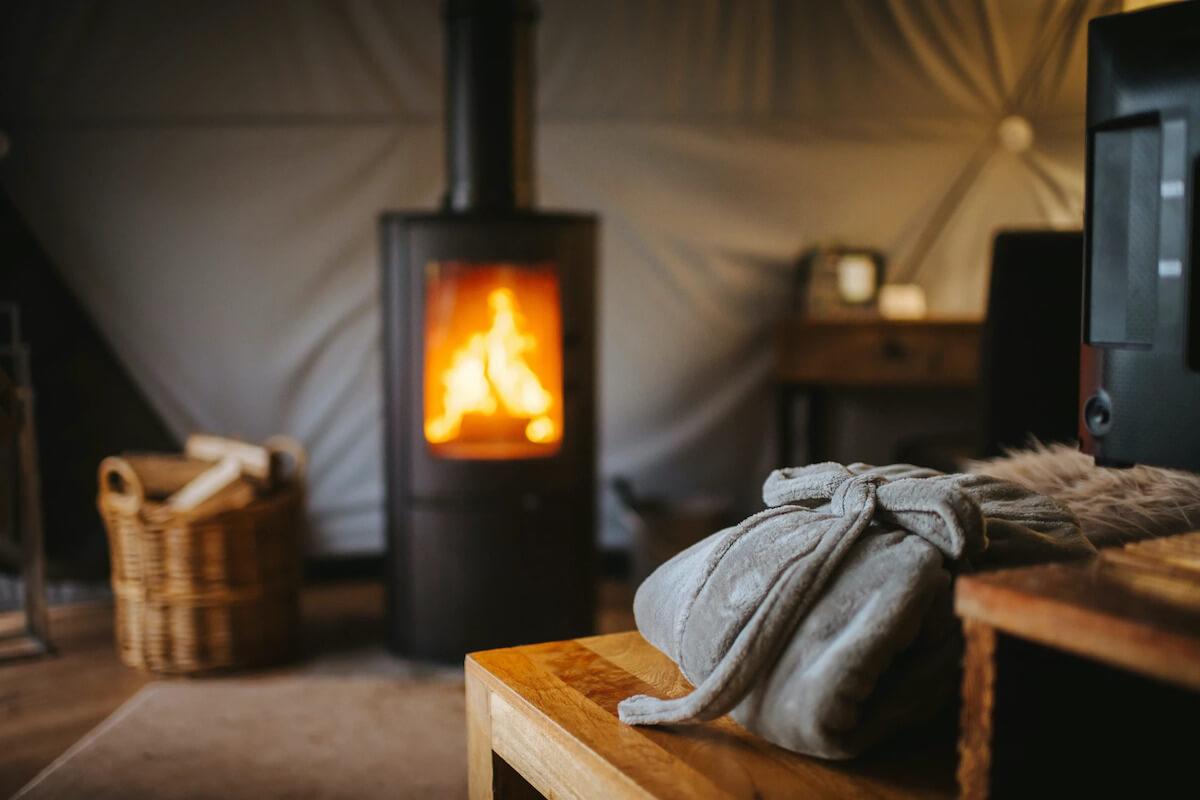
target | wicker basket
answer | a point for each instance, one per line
(200, 593)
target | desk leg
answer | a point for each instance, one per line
(784, 402)
(816, 424)
(978, 695)
(817, 427)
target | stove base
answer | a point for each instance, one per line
(467, 578)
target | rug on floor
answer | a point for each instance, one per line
(277, 736)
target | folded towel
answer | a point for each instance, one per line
(825, 622)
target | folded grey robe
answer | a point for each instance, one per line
(825, 622)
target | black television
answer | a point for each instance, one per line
(1140, 360)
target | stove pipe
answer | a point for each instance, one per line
(489, 105)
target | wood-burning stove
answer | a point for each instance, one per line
(489, 310)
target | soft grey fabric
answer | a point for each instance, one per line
(825, 622)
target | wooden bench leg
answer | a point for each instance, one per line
(479, 740)
(489, 777)
(975, 733)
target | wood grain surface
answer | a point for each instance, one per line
(1136, 608)
(552, 716)
(1123, 614)
(47, 703)
(924, 353)
(978, 696)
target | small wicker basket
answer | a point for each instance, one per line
(196, 593)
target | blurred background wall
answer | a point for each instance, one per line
(206, 178)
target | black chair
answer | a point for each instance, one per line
(1030, 351)
(1029, 364)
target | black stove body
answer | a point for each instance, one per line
(489, 346)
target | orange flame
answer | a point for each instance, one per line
(490, 373)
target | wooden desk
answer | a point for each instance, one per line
(1135, 609)
(815, 357)
(542, 721)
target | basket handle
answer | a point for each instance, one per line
(120, 487)
(294, 450)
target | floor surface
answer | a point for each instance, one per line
(47, 704)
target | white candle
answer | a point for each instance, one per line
(902, 301)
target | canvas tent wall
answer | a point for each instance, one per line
(207, 178)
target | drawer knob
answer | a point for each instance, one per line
(894, 350)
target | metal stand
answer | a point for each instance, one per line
(25, 526)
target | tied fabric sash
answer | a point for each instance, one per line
(933, 508)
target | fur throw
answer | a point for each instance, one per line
(1112, 505)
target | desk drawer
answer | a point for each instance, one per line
(879, 353)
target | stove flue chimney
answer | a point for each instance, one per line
(489, 104)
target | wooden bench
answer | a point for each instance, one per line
(543, 719)
(1087, 671)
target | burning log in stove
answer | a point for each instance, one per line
(489, 310)
(493, 364)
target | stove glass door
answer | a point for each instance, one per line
(493, 360)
